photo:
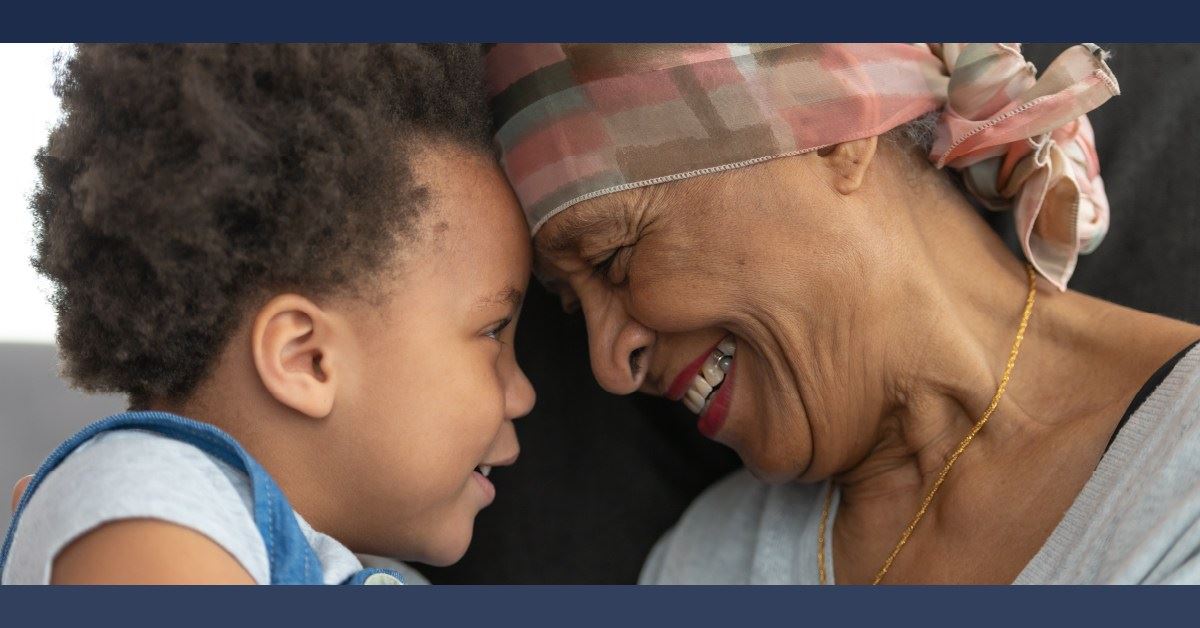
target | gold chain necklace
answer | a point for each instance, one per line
(962, 446)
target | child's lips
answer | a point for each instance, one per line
(506, 461)
(489, 489)
(484, 469)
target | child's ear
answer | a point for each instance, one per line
(295, 354)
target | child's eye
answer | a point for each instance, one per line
(494, 331)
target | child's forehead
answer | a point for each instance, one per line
(471, 231)
(468, 196)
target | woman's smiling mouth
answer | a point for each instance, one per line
(701, 385)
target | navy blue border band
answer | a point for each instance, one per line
(606, 606)
(609, 20)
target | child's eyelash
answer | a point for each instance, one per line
(494, 332)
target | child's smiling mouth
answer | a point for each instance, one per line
(484, 469)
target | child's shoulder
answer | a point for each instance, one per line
(133, 474)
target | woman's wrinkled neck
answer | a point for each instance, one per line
(960, 295)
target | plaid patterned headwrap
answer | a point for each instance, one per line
(575, 121)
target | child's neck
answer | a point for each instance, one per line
(233, 399)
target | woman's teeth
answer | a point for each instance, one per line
(711, 376)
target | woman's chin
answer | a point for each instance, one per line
(772, 463)
(772, 473)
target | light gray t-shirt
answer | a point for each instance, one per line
(137, 474)
(1136, 521)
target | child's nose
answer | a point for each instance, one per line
(520, 395)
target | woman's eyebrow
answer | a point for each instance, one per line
(576, 228)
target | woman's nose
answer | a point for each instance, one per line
(618, 346)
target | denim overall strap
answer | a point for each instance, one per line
(291, 559)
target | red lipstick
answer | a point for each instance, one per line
(713, 418)
(679, 387)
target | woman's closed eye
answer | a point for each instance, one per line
(613, 267)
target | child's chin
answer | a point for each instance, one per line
(449, 549)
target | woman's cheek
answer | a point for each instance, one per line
(673, 301)
(651, 302)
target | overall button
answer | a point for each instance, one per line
(382, 578)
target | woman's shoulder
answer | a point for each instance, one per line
(738, 531)
(1137, 520)
(132, 474)
(1166, 424)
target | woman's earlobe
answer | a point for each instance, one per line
(294, 354)
(848, 162)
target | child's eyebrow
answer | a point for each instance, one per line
(508, 296)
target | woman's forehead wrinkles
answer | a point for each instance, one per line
(575, 225)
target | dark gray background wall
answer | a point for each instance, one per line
(37, 412)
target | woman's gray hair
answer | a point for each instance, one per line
(915, 135)
(915, 139)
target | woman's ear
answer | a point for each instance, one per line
(295, 354)
(848, 162)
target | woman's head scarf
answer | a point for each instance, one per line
(575, 121)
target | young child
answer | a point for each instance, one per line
(308, 252)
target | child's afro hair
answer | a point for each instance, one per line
(185, 182)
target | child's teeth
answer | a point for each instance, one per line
(695, 397)
(692, 404)
(484, 470)
(701, 386)
(727, 346)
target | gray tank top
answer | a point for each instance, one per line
(136, 474)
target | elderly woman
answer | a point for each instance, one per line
(768, 234)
